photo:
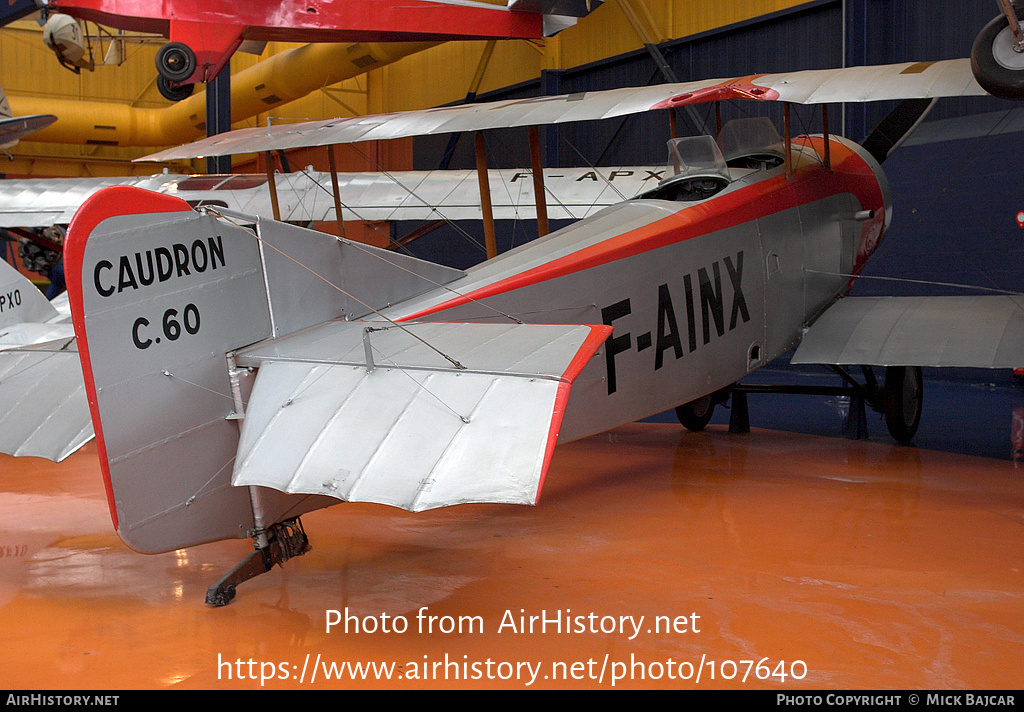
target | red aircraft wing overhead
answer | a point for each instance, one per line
(851, 84)
(212, 30)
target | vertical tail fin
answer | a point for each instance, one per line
(161, 297)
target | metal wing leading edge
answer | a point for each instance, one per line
(922, 80)
(368, 412)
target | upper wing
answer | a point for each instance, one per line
(922, 80)
(969, 331)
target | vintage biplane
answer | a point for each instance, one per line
(242, 371)
(203, 36)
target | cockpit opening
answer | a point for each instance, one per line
(697, 170)
(699, 167)
(751, 143)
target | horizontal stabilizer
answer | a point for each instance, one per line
(378, 416)
(971, 331)
(28, 333)
(46, 412)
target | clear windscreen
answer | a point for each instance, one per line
(751, 140)
(696, 156)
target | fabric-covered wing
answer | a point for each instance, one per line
(572, 193)
(20, 301)
(46, 412)
(970, 331)
(852, 84)
(381, 417)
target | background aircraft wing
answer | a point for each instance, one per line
(46, 412)
(14, 129)
(303, 196)
(381, 417)
(968, 331)
(921, 80)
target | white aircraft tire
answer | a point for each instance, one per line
(996, 66)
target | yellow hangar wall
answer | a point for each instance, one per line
(127, 96)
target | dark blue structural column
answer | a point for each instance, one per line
(855, 26)
(551, 85)
(15, 10)
(218, 116)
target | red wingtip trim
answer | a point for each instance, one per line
(106, 203)
(597, 336)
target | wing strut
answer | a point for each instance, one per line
(274, 204)
(538, 182)
(333, 165)
(788, 139)
(485, 195)
(827, 158)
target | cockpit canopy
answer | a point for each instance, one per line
(751, 143)
(696, 170)
(698, 166)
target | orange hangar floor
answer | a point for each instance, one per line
(657, 558)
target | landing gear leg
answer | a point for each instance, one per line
(285, 540)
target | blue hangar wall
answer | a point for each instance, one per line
(955, 184)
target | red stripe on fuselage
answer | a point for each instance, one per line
(849, 174)
(597, 336)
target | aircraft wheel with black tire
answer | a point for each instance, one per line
(901, 395)
(998, 68)
(697, 413)
(175, 92)
(175, 61)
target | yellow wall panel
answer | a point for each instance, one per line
(443, 74)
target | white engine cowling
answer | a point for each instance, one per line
(64, 35)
